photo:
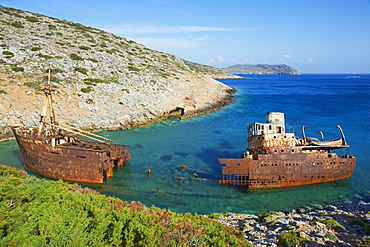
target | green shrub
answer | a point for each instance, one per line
(81, 70)
(84, 47)
(18, 69)
(52, 27)
(356, 222)
(365, 242)
(75, 57)
(83, 217)
(36, 48)
(32, 19)
(44, 56)
(332, 237)
(17, 24)
(3, 91)
(132, 68)
(366, 229)
(87, 89)
(332, 224)
(8, 54)
(266, 217)
(93, 81)
(291, 239)
(32, 84)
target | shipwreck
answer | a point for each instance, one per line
(276, 157)
(53, 149)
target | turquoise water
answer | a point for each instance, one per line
(319, 102)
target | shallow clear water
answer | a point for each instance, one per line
(319, 102)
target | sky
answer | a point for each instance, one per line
(315, 36)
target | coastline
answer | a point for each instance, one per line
(6, 133)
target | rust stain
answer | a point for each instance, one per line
(277, 158)
(52, 150)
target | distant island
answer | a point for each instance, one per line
(261, 69)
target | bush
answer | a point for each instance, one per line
(75, 57)
(18, 69)
(266, 217)
(44, 56)
(84, 47)
(17, 24)
(32, 19)
(356, 222)
(32, 84)
(365, 242)
(292, 238)
(87, 89)
(81, 70)
(332, 224)
(8, 54)
(36, 48)
(52, 27)
(366, 229)
(332, 237)
(38, 212)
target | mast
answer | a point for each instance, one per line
(47, 103)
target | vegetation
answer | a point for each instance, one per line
(44, 56)
(363, 243)
(87, 89)
(267, 217)
(38, 212)
(292, 238)
(8, 54)
(356, 222)
(18, 69)
(33, 84)
(75, 57)
(332, 224)
(366, 229)
(36, 48)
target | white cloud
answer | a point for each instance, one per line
(309, 60)
(220, 59)
(286, 56)
(148, 29)
(169, 43)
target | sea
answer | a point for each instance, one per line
(317, 101)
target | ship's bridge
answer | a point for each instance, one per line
(273, 133)
(275, 124)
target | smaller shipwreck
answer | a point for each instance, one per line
(276, 157)
(53, 150)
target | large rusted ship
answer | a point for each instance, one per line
(53, 150)
(276, 157)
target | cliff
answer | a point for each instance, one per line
(262, 69)
(102, 80)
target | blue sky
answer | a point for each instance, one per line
(316, 36)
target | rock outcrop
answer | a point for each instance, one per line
(345, 224)
(104, 81)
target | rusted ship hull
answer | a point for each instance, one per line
(276, 157)
(286, 168)
(68, 158)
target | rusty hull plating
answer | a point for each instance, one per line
(277, 158)
(49, 151)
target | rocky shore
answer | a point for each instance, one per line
(339, 225)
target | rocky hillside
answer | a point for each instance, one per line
(262, 69)
(102, 80)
